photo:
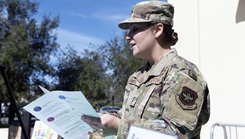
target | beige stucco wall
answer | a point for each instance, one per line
(212, 35)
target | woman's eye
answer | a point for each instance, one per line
(134, 30)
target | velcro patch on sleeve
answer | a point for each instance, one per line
(186, 99)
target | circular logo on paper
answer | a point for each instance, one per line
(37, 109)
(62, 97)
(50, 119)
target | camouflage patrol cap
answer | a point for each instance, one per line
(150, 11)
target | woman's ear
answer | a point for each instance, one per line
(158, 29)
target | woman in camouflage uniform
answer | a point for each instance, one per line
(168, 94)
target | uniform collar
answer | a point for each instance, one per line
(156, 69)
(145, 72)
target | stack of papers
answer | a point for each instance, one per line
(62, 111)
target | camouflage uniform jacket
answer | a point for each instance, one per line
(171, 97)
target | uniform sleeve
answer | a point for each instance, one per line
(187, 104)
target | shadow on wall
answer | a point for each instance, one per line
(240, 14)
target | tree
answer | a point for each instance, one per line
(101, 74)
(68, 70)
(86, 73)
(121, 64)
(25, 47)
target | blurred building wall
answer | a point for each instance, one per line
(212, 35)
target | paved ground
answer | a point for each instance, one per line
(4, 133)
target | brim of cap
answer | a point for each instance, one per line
(125, 23)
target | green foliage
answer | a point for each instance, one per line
(84, 72)
(121, 64)
(25, 47)
(100, 74)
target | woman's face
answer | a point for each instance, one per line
(141, 39)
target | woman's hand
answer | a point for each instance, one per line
(109, 121)
(104, 126)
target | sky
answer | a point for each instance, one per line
(86, 22)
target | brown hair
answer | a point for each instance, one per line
(171, 36)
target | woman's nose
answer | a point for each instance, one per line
(128, 38)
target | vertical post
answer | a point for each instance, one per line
(12, 101)
(26, 116)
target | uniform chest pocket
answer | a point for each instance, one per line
(133, 97)
(150, 87)
(154, 81)
(142, 91)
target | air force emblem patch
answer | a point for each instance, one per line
(186, 99)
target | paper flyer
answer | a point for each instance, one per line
(136, 132)
(61, 111)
